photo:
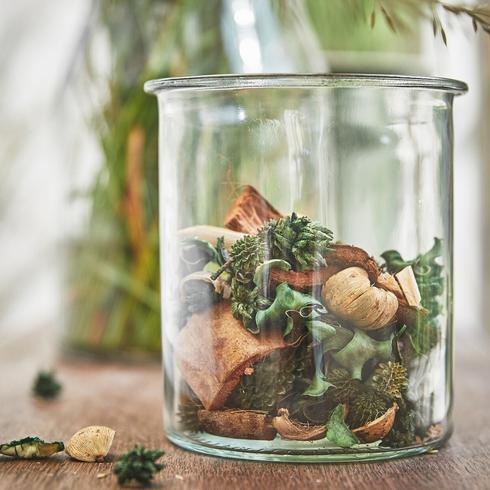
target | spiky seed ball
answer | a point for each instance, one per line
(366, 407)
(390, 378)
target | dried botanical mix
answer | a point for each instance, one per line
(288, 334)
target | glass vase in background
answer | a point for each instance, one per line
(307, 264)
(113, 306)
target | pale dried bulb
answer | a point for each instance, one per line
(90, 443)
(350, 296)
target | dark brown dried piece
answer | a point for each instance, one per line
(303, 281)
(242, 424)
(344, 256)
(250, 211)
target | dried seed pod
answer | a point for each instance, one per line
(90, 443)
(350, 296)
(378, 428)
(296, 431)
(242, 424)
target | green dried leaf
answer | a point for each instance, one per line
(338, 431)
(287, 300)
(318, 386)
(361, 349)
(31, 447)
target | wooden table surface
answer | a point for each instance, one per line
(129, 398)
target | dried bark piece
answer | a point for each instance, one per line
(242, 424)
(345, 256)
(378, 428)
(409, 286)
(388, 282)
(214, 350)
(296, 431)
(250, 211)
(303, 281)
(210, 234)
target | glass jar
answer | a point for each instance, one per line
(306, 250)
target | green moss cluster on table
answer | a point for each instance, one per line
(46, 385)
(138, 465)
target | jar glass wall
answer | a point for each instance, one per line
(306, 255)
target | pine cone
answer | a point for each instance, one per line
(271, 381)
(244, 302)
(345, 388)
(366, 407)
(246, 254)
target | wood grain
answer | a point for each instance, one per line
(129, 400)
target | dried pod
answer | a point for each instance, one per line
(242, 424)
(378, 428)
(296, 431)
(211, 234)
(350, 296)
(90, 443)
(303, 281)
(250, 211)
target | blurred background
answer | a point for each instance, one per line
(78, 161)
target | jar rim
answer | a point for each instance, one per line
(296, 80)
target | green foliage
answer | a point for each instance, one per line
(46, 385)
(244, 303)
(298, 240)
(403, 431)
(337, 430)
(318, 386)
(361, 349)
(138, 465)
(390, 379)
(425, 333)
(31, 447)
(279, 314)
